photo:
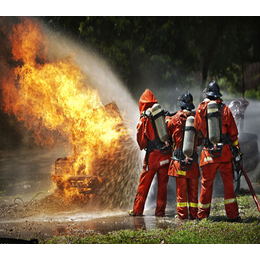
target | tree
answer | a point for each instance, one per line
(161, 51)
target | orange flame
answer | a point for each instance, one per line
(53, 100)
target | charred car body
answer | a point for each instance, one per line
(113, 178)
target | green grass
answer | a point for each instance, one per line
(204, 232)
(214, 230)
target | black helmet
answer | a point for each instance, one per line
(212, 90)
(186, 101)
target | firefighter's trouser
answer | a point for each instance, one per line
(145, 181)
(208, 173)
(187, 196)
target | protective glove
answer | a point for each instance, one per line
(237, 156)
(146, 113)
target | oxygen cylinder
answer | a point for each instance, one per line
(189, 137)
(159, 120)
(213, 123)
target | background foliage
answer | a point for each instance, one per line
(177, 51)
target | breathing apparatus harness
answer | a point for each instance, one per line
(178, 155)
(156, 144)
(216, 150)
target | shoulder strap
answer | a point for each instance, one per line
(151, 119)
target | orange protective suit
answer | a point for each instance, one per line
(187, 180)
(210, 165)
(155, 161)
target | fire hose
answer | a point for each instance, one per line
(250, 187)
(237, 160)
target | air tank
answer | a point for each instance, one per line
(213, 122)
(159, 120)
(189, 137)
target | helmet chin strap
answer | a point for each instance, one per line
(211, 97)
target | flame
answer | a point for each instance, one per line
(53, 101)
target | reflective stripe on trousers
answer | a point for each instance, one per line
(228, 201)
(185, 204)
(204, 206)
(193, 205)
(182, 204)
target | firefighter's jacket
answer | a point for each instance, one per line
(229, 129)
(175, 129)
(145, 132)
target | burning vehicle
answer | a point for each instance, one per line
(111, 180)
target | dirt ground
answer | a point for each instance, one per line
(50, 216)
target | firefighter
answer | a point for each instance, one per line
(184, 165)
(214, 122)
(157, 157)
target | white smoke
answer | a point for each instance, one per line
(251, 126)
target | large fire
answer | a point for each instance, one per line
(52, 99)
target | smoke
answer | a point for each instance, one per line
(251, 126)
(252, 118)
